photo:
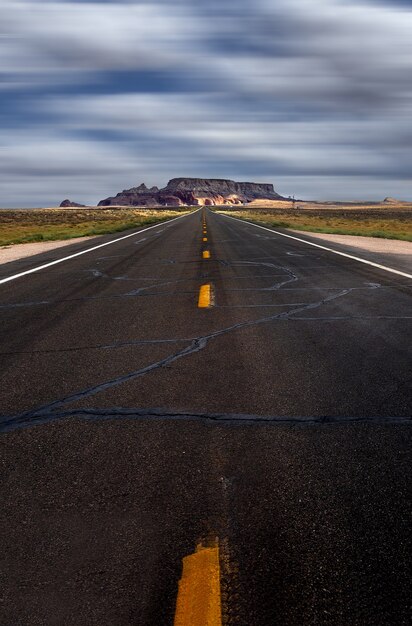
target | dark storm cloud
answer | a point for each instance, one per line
(314, 95)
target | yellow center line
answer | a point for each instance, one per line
(205, 297)
(198, 600)
(204, 238)
(206, 254)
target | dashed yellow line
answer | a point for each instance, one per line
(205, 294)
(198, 600)
(205, 297)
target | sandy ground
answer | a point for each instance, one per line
(391, 252)
(23, 250)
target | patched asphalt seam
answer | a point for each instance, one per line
(117, 413)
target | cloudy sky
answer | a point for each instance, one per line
(312, 95)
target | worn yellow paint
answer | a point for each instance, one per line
(206, 254)
(204, 238)
(198, 600)
(205, 297)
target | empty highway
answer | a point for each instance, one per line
(204, 382)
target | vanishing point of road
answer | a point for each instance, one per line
(204, 387)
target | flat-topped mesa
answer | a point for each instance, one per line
(194, 191)
(219, 190)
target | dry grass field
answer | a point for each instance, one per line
(304, 205)
(28, 225)
(389, 221)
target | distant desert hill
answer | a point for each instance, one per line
(194, 192)
(393, 201)
(69, 204)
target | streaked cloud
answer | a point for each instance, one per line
(312, 95)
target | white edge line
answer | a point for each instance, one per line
(316, 245)
(101, 245)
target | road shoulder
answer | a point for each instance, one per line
(17, 251)
(391, 252)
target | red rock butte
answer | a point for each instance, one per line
(193, 192)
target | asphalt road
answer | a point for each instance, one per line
(135, 425)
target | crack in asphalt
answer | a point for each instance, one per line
(50, 411)
(136, 292)
(195, 345)
(142, 291)
(138, 342)
(258, 306)
(354, 317)
(100, 414)
(110, 346)
(292, 277)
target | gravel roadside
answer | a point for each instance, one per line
(392, 252)
(23, 250)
